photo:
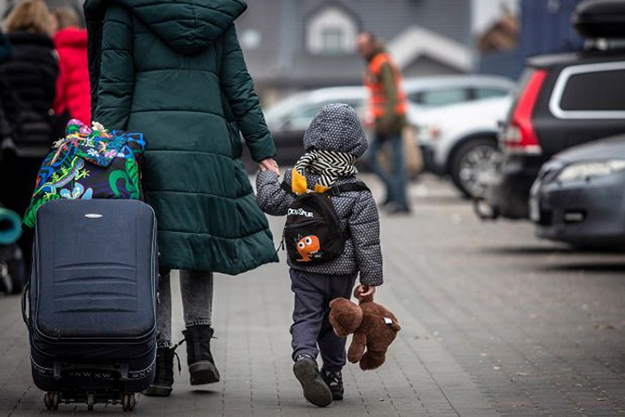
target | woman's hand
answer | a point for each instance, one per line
(364, 291)
(269, 164)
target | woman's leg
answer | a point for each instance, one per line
(197, 297)
(163, 310)
(197, 304)
(19, 177)
(164, 377)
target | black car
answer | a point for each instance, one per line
(563, 100)
(579, 195)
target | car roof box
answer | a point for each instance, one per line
(600, 19)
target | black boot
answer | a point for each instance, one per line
(201, 364)
(164, 378)
(335, 383)
(316, 391)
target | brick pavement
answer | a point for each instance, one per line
(494, 323)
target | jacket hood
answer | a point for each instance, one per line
(336, 128)
(71, 37)
(187, 26)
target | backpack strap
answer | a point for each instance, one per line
(335, 190)
(286, 187)
(345, 188)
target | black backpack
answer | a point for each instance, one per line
(312, 232)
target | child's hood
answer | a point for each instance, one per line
(336, 128)
(187, 26)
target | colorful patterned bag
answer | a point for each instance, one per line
(89, 163)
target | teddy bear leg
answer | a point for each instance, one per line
(357, 347)
(372, 359)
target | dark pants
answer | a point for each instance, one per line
(395, 181)
(311, 327)
(17, 182)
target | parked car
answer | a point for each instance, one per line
(579, 195)
(432, 92)
(563, 100)
(289, 118)
(461, 141)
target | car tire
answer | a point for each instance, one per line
(479, 154)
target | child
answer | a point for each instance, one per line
(333, 141)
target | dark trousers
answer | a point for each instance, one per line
(17, 182)
(311, 327)
(395, 181)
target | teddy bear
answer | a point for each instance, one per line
(374, 328)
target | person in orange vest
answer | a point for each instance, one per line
(386, 115)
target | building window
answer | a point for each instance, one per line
(333, 40)
(331, 31)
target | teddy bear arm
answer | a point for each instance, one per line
(357, 347)
(372, 359)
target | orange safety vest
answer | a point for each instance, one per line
(373, 82)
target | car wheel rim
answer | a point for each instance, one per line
(477, 167)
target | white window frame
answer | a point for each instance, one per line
(344, 22)
(558, 91)
(340, 48)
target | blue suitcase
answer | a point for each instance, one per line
(92, 301)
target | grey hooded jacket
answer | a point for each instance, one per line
(335, 128)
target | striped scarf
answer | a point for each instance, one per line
(329, 165)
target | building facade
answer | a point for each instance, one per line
(291, 45)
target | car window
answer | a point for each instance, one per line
(436, 98)
(488, 92)
(595, 91)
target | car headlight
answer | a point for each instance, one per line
(585, 170)
(428, 133)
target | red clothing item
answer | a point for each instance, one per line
(73, 93)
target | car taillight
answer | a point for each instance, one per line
(520, 136)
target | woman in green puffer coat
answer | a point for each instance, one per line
(174, 70)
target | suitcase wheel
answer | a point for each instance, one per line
(90, 400)
(128, 402)
(51, 400)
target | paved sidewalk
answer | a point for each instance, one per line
(494, 323)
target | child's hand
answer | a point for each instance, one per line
(269, 164)
(364, 291)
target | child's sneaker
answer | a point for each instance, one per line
(335, 383)
(316, 391)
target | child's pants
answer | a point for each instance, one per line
(311, 327)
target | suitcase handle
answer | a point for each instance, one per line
(24, 297)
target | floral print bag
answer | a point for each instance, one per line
(90, 162)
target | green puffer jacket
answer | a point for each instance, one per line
(174, 70)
